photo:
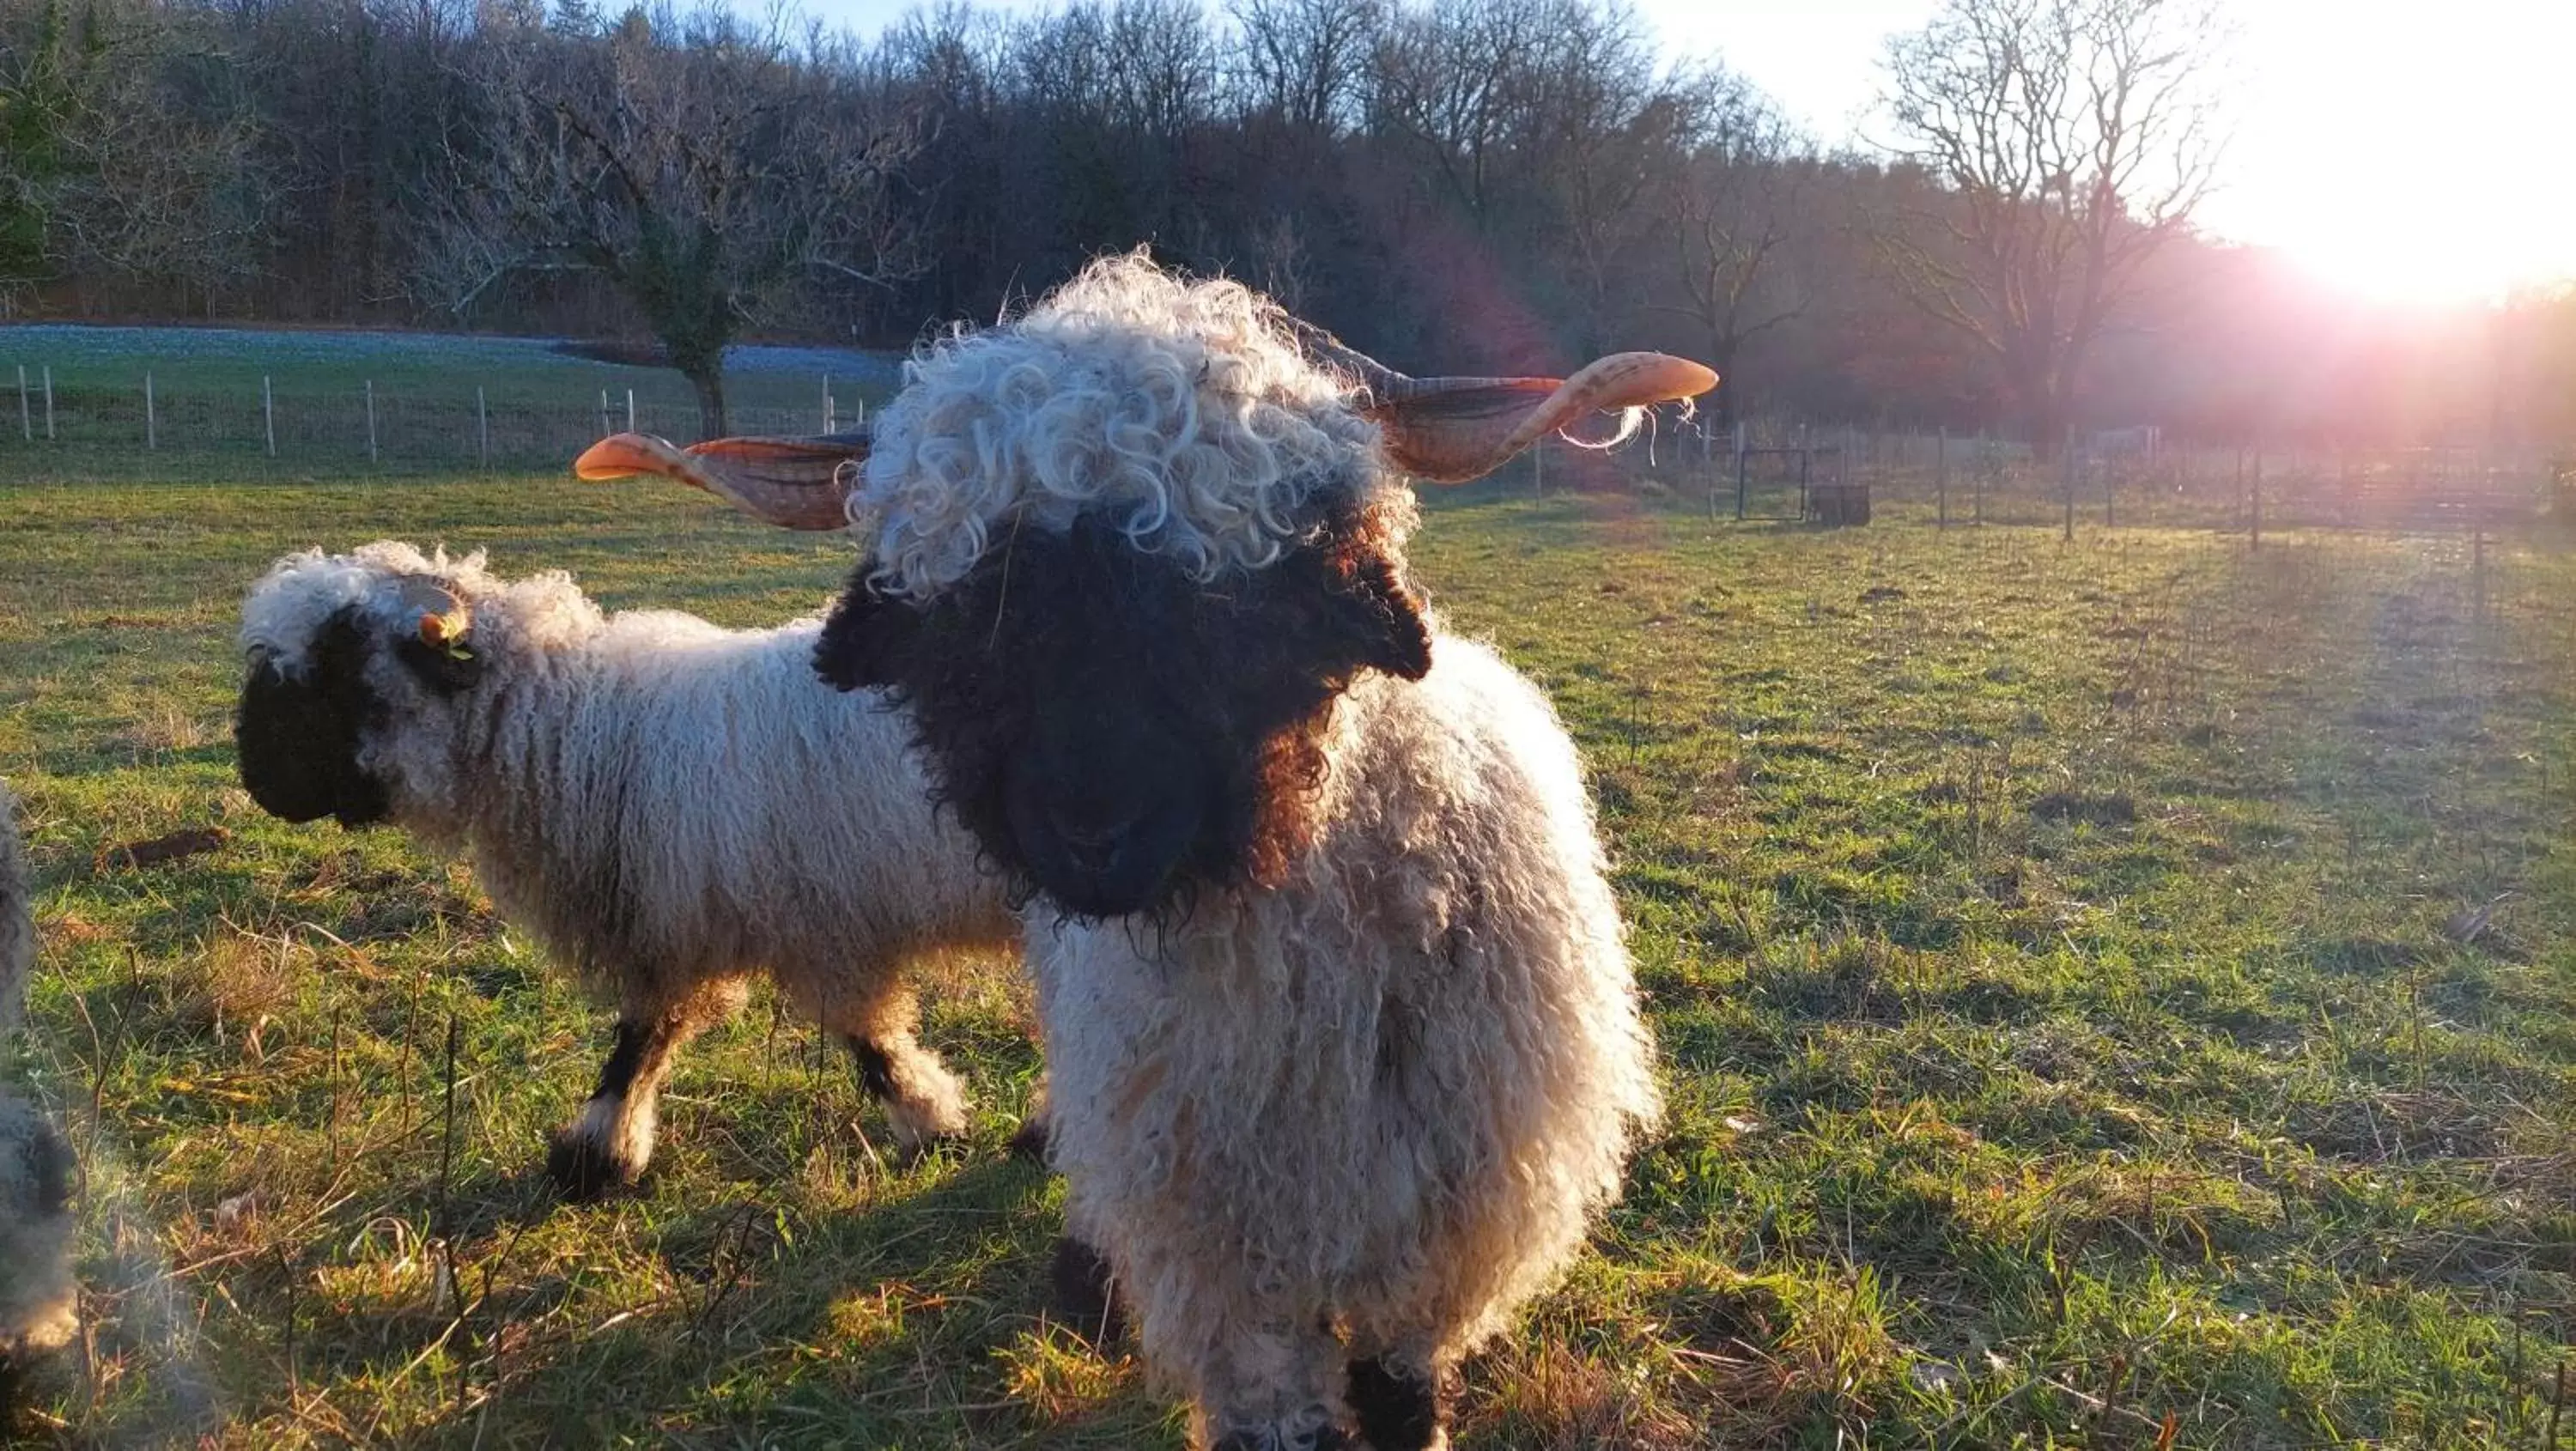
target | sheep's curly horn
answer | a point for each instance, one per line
(1450, 430)
(795, 483)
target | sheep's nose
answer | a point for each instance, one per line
(1091, 839)
(1091, 849)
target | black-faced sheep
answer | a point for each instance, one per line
(39, 1305)
(1343, 1046)
(667, 805)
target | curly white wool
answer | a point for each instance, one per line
(668, 805)
(1186, 407)
(39, 1306)
(1389, 1095)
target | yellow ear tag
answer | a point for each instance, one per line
(446, 633)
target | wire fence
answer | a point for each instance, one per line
(65, 430)
(1777, 470)
(1766, 469)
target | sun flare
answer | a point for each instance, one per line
(2406, 153)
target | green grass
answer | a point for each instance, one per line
(2096, 983)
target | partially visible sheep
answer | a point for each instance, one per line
(1343, 1045)
(668, 805)
(39, 1305)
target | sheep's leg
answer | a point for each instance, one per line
(1399, 1403)
(923, 1101)
(1032, 1141)
(1085, 1290)
(608, 1145)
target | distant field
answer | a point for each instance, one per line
(2102, 987)
(211, 420)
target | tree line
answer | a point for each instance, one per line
(1455, 185)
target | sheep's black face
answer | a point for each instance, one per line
(297, 736)
(1117, 735)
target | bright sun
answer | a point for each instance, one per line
(2409, 153)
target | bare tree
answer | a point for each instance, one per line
(706, 177)
(2067, 142)
(128, 151)
(1451, 80)
(1731, 212)
(1306, 61)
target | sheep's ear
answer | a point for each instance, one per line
(1381, 621)
(440, 649)
(865, 637)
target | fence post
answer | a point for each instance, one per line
(829, 423)
(1806, 456)
(2067, 466)
(151, 424)
(268, 413)
(371, 420)
(2478, 556)
(49, 402)
(1740, 480)
(26, 416)
(1941, 475)
(482, 432)
(630, 410)
(2258, 497)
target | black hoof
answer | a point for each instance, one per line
(1086, 1292)
(1397, 1406)
(582, 1174)
(1030, 1143)
(937, 1146)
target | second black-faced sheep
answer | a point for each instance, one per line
(667, 805)
(1344, 1050)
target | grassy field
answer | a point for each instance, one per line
(2115, 994)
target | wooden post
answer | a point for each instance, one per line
(2067, 466)
(268, 413)
(1977, 489)
(371, 420)
(26, 415)
(49, 402)
(1941, 475)
(1806, 455)
(1741, 481)
(151, 423)
(2254, 498)
(482, 432)
(2478, 556)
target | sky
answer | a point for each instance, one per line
(2410, 152)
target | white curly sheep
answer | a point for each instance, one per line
(668, 805)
